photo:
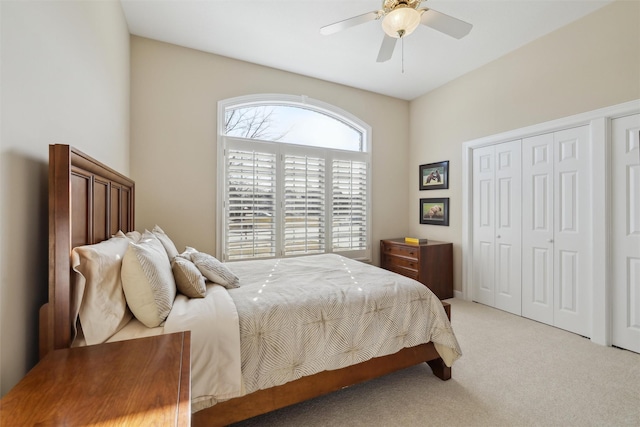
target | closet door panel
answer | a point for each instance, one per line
(484, 227)
(537, 228)
(568, 286)
(497, 226)
(537, 279)
(567, 189)
(508, 227)
(572, 225)
(625, 218)
(541, 204)
(557, 229)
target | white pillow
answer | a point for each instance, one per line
(187, 253)
(147, 280)
(168, 244)
(214, 270)
(134, 236)
(103, 308)
(189, 280)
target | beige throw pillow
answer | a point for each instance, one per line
(189, 280)
(148, 281)
(102, 305)
(214, 270)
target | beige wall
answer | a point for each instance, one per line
(589, 64)
(174, 95)
(64, 79)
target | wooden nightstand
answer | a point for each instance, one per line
(429, 263)
(146, 381)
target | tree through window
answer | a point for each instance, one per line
(295, 179)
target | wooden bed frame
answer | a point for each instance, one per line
(88, 203)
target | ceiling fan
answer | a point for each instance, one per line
(399, 19)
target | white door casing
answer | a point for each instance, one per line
(625, 238)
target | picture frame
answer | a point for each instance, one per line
(434, 211)
(434, 176)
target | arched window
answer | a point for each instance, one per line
(294, 178)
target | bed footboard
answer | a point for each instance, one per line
(263, 401)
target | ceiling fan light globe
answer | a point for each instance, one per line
(401, 22)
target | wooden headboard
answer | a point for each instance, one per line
(88, 203)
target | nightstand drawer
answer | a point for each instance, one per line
(407, 272)
(404, 251)
(410, 263)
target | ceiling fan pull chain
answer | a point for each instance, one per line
(402, 46)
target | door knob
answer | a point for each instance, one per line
(498, 236)
(550, 240)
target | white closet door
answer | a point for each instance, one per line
(497, 222)
(625, 217)
(537, 228)
(483, 225)
(572, 223)
(556, 230)
(508, 224)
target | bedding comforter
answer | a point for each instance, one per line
(300, 316)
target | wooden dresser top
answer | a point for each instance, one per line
(144, 381)
(400, 241)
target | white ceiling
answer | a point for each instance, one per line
(284, 34)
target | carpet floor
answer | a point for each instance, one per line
(513, 372)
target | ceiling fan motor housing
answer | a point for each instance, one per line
(389, 5)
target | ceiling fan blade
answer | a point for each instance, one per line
(445, 23)
(347, 23)
(386, 50)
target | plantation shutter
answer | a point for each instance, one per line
(251, 204)
(304, 204)
(349, 210)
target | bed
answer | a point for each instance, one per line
(90, 202)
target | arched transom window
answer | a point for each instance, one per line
(294, 178)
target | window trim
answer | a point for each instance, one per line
(301, 101)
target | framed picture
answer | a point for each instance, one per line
(434, 211)
(434, 176)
